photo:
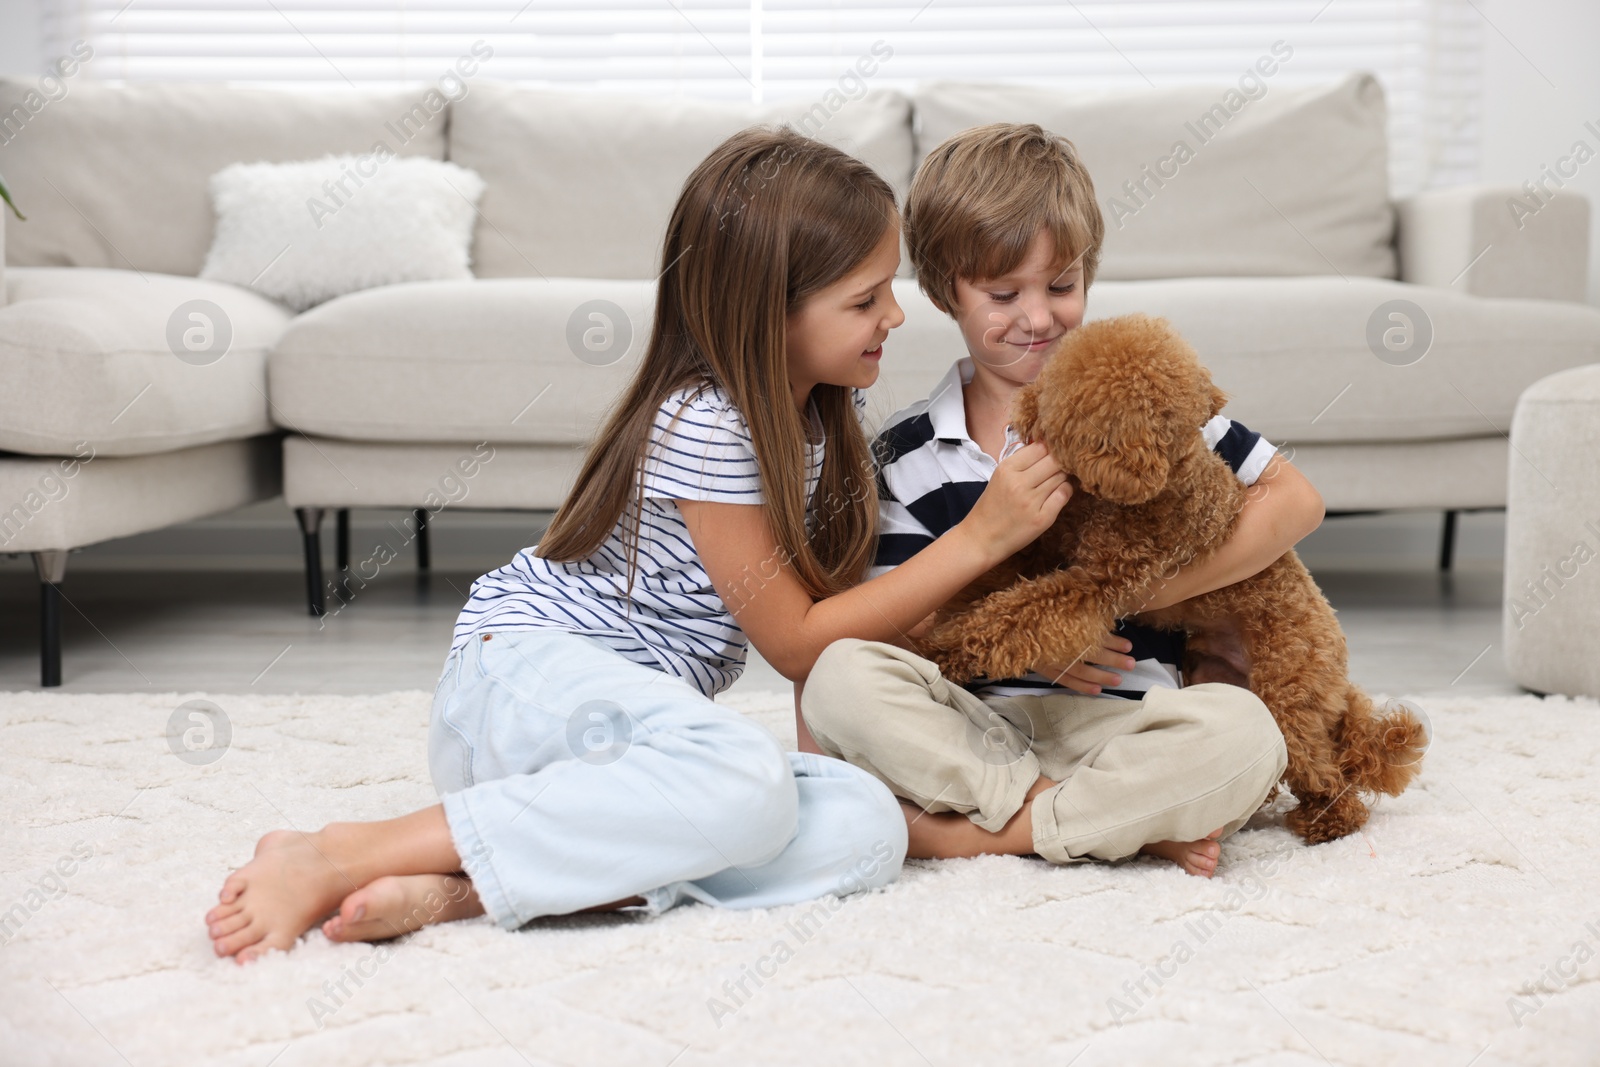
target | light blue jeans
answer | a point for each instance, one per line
(572, 776)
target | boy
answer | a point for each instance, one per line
(1104, 757)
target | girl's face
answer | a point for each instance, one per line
(1009, 322)
(836, 336)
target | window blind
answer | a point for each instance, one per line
(1426, 53)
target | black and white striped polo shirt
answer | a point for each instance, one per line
(932, 473)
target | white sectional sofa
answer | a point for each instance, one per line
(1272, 243)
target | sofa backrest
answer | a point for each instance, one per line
(113, 176)
(1209, 180)
(583, 185)
(1253, 178)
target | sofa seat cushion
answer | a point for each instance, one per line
(505, 360)
(500, 360)
(52, 502)
(455, 361)
(1297, 359)
(1463, 472)
(90, 355)
(328, 472)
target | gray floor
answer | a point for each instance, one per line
(218, 606)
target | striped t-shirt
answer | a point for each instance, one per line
(931, 473)
(671, 619)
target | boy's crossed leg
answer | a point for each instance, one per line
(951, 835)
(1121, 776)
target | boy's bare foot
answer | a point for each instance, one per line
(1196, 857)
(279, 895)
(402, 904)
(951, 835)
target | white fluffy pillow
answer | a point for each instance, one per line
(307, 232)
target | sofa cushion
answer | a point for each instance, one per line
(114, 176)
(504, 360)
(409, 220)
(53, 503)
(114, 359)
(1455, 472)
(581, 185)
(499, 360)
(1299, 357)
(1293, 181)
(332, 473)
(1440, 474)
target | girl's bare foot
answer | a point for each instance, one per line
(1196, 857)
(279, 895)
(402, 904)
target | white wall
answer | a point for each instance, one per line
(1541, 85)
(21, 37)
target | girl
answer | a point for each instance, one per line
(581, 759)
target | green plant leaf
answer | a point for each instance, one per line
(5, 194)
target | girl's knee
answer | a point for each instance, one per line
(857, 815)
(874, 864)
(744, 747)
(748, 792)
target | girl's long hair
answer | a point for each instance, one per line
(766, 220)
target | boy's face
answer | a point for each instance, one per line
(1009, 322)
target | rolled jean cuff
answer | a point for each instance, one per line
(476, 859)
(851, 837)
(658, 900)
(1056, 842)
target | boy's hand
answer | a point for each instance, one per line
(1020, 502)
(1091, 671)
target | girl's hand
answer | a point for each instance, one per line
(1020, 502)
(1091, 671)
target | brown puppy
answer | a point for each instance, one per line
(1120, 404)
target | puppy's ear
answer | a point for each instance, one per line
(1218, 399)
(1130, 466)
(1025, 412)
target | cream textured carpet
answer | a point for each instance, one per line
(1460, 928)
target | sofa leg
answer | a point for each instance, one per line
(310, 527)
(1447, 541)
(341, 552)
(424, 557)
(341, 540)
(51, 566)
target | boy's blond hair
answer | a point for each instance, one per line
(979, 198)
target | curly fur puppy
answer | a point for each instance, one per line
(1120, 404)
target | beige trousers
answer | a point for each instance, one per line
(1171, 767)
